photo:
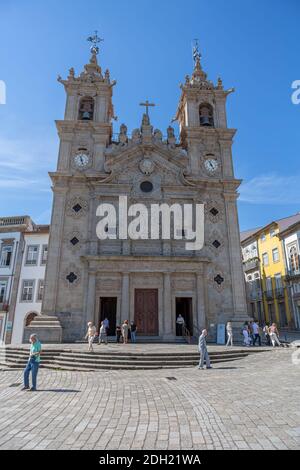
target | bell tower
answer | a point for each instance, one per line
(201, 115)
(84, 133)
(88, 113)
(204, 134)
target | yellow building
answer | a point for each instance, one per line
(273, 272)
(265, 269)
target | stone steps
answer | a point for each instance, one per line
(67, 359)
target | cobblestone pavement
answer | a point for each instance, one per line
(252, 403)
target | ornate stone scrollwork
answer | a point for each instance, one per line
(77, 206)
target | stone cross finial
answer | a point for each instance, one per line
(147, 104)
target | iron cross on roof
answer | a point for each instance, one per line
(95, 40)
(147, 104)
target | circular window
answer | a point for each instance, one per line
(146, 186)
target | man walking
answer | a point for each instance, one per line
(33, 363)
(203, 351)
(256, 335)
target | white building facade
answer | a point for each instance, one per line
(291, 246)
(31, 280)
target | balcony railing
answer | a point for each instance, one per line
(255, 295)
(252, 263)
(269, 294)
(279, 292)
(293, 273)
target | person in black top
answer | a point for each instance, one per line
(118, 333)
(133, 331)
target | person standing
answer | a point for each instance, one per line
(106, 324)
(229, 334)
(246, 335)
(266, 333)
(180, 324)
(90, 335)
(203, 351)
(133, 331)
(33, 363)
(125, 328)
(103, 333)
(256, 335)
(118, 333)
(274, 335)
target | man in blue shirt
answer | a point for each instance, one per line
(33, 363)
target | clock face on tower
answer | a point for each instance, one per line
(211, 165)
(81, 160)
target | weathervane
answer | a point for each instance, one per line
(196, 53)
(95, 40)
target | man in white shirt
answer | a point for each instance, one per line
(180, 323)
(256, 335)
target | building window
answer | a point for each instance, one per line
(27, 291)
(265, 259)
(32, 255)
(6, 255)
(44, 254)
(294, 259)
(278, 281)
(273, 233)
(275, 255)
(263, 237)
(40, 291)
(3, 286)
(249, 278)
(269, 284)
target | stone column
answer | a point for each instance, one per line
(167, 307)
(235, 257)
(52, 270)
(125, 297)
(200, 301)
(90, 300)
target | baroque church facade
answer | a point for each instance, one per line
(148, 281)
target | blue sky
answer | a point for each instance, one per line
(252, 45)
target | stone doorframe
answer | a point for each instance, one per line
(161, 268)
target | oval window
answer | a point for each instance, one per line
(146, 186)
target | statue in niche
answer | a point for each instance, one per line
(123, 139)
(171, 136)
(158, 135)
(136, 135)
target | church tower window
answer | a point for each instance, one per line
(86, 109)
(206, 115)
(146, 186)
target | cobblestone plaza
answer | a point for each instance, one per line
(251, 403)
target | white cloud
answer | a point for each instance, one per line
(271, 189)
(24, 164)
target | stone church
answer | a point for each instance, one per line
(148, 281)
